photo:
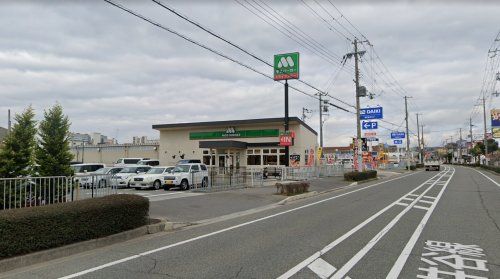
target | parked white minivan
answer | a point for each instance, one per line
(128, 161)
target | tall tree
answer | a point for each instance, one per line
(16, 155)
(53, 151)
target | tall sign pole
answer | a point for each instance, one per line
(358, 124)
(286, 66)
(418, 140)
(320, 120)
(287, 148)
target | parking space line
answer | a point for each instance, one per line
(403, 257)
(109, 264)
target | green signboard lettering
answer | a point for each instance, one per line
(286, 66)
(232, 133)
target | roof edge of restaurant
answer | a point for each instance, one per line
(233, 122)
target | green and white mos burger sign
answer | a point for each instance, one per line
(286, 66)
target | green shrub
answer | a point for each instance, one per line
(292, 188)
(31, 229)
(359, 176)
(491, 168)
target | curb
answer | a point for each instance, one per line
(75, 248)
(298, 197)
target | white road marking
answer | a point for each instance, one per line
(421, 207)
(322, 268)
(330, 246)
(361, 253)
(402, 204)
(489, 178)
(403, 257)
(90, 270)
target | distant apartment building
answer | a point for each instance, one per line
(3, 134)
(77, 139)
(144, 140)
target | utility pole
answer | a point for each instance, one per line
(460, 147)
(9, 122)
(407, 134)
(418, 140)
(485, 131)
(320, 121)
(470, 134)
(358, 124)
(423, 144)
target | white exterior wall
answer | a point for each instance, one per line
(175, 141)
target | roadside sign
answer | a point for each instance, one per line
(398, 141)
(370, 134)
(372, 139)
(285, 140)
(398, 135)
(369, 125)
(286, 66)
(371, 113)
(320, 152)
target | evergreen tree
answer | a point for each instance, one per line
(53, 151)
(16, 155)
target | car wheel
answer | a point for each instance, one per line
(204, 183)
(137, 188)
(157, 185)
(184, 185)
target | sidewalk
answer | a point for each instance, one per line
(216, 204)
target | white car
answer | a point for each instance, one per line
(122, 162)
(152, 179)
(100, 177)
(123, 178)
(186, 175)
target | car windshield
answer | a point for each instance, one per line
(155, 171)
(170, 169)
(102, 171)
(129, 170)
(181, 168)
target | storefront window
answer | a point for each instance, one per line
(270, 159)
(274, 151)
(282, 160)
(253, 160)
(266, 151)
(206, 160)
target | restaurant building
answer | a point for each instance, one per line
(237, 143)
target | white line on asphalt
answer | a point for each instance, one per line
(361, 253)
(489, 178)
(90, 270)
(403, 257)
(330, 246)
(321, 268)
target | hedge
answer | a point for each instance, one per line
(359, 176)
(292, 188)
(26, 230)
(491, 168)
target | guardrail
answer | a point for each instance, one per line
(39, 191)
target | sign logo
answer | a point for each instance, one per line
(285, 140)
(371, 113)
(398, 141)
(369, 125)
(398, 135)
(230, 130)
(286, 66)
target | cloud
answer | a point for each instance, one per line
(118, 75)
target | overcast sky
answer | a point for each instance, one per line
(116, 74)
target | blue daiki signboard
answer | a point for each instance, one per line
(371, 113)
(369, 125)
(398, 135)
(397, 141)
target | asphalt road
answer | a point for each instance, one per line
(421, 225)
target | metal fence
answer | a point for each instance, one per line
(313, 172)
(39, 191)
(220, 179)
